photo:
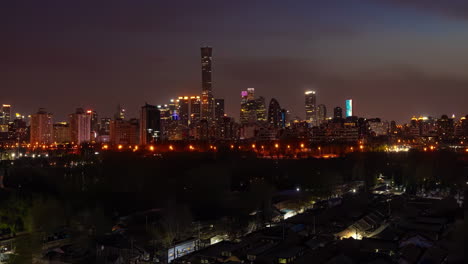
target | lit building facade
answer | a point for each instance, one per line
(41, 131)
(349, 107)
(80, 126)
(124, 132)
(207, 100)
(311, 107)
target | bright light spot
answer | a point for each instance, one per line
(96, 153)
(120, 147)
(253, 145)
(151, 148)
(171, 147)
(276, 146)
(354, 190)
(302, 145)
(298, 189)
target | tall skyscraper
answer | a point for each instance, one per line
(5, 114)
(207, 85)
(41, 128)
(274, 113)
(349, 107)
(219, 109)
(321, 114)
(252, 110)
(311, 107)
(150, 124)
(80, 126)
(337, 112)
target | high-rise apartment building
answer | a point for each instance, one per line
(41, 131)
(80, 126)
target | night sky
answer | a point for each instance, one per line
(395, 58)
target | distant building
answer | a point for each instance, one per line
(41, 128)
(207, 100)
(311, 107)
(104, 126)
(120, 113)
(62, 133)
(80, 126)
(219, 110)
(195, 109)
(275, 114)
(124, 132)
(150, 124)
(5, 114)
(252, 110)
(321, 114)
(349, 107)
(338, 112)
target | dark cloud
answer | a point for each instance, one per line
(451, 8)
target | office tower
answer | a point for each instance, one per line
(252, 110)
(120, 113)
(5, 114)
(104, 126)
(184, 109)
(338, 113)
(349, 107)
(311, 107)
(207, 85)
(219, 109)
(62, 133)
(124, 132)
(80, 126)
(250, 93)
(464, 125)
(150, 124)
(284, 118)
(260, 109)
(41, 127)
(94, 120)
(195, 109)
(274, 113)
(321, 114)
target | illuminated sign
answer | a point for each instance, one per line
(244, 93)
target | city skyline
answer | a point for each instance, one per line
(382, 54)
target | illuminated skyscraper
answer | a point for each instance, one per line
(207, 100)
(41, 128)
(349, 107)
(252, 110)
(150, 124)
(62, 132)
(80, 126)
(311, 107)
